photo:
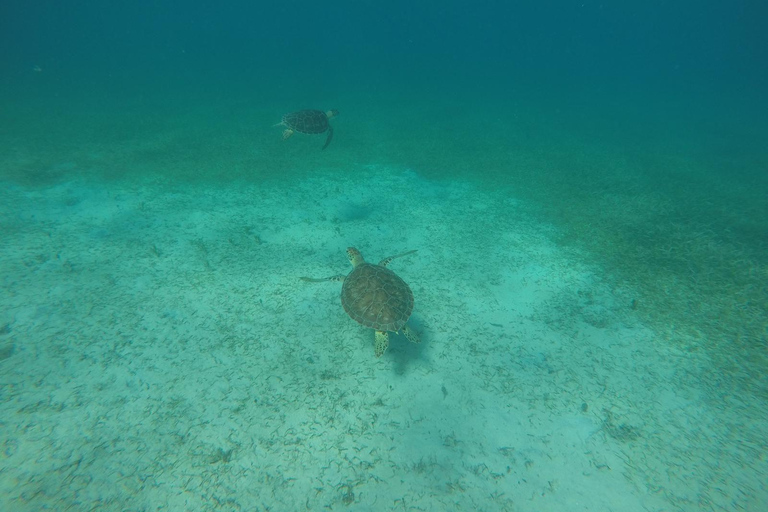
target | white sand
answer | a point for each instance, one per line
(165, 356)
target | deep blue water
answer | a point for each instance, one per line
(715, 46)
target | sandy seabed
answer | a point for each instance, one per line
(159, 352)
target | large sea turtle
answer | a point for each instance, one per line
(376, 297)
(308, 121)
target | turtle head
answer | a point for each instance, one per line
(355, 258)
(332, 113)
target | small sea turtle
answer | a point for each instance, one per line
(376, 297)
(308, 121)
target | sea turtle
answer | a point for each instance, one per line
(308, 121)
(376, 297)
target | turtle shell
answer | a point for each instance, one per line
(307, 121)
(376, 297)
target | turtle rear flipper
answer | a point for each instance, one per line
(381, 343)
(410, 334)
(330, 136)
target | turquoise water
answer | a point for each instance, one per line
(585, 186)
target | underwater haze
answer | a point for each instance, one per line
(583, 325)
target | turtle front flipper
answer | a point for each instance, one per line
(381, 343)
(410, 334)
(330, 136)
(287, 133)
(339, 277)
(386, 261)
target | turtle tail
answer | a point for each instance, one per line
(330, 136)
